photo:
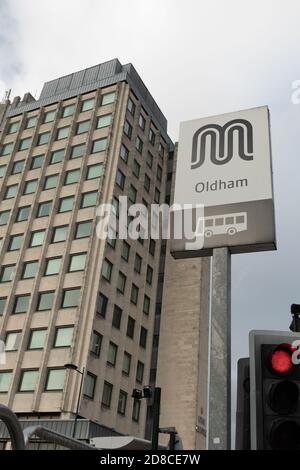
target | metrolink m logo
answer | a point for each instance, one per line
(222, 142)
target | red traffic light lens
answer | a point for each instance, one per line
(281, 359)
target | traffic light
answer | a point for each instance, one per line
(274, 391)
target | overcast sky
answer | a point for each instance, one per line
(197, 58)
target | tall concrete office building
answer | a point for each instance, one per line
(67, 296)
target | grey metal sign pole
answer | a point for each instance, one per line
(219, 428)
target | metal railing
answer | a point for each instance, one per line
(21, 438)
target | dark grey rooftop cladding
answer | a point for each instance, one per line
(98, 76)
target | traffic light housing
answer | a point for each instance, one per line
(274, 391)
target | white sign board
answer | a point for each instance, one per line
(224, 163)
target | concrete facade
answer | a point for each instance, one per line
(182, 368)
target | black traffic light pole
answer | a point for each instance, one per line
(155, 417)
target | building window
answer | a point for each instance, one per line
(7, 273)
(139, 144)
(2, 304)
(12, 340)
(104, 121)
(124, 152)
(132, 194)
(107, 394)
(77, 151)
(127, 129)
(159, 172)
(161, 150)
(99, 145)
(51, 182)
(94, 171)
(136, 168)
(31, 122)
(7, 149)
(149, 160)
(121, 283)
(72, 177)
(17, 167)
(30, 187)
(122, 402)
(70, 298)
(130, 327)
(4, 216)
(82, 127)
(146, 304)
(28, 380)
(149, 275)
(142, 122)
(63, 336)
(140, 372)
(5, 379)
(37, 162)
(52, 266)
(37, 238)
(60, 234)
(2, 170)
(108, 98)
(11, 191)
(89, 385)
(77, 262)
(138, 263)
(147, 183)
(62, 133)
(57, 156)
(152, 137)
(111, 237)
(143, 337)
(96, 343)
(86, 105)
(49, 116)
(112, 354)
(37, 339)
(157, 195)
(117, 317)
(83, 229)
(120, 179)
(44, 209)
(136, 410)
(152, 246)
(30, 269)
(13, 127)
(43, 138)
(68, 111)
(89, 199)
(45, 301)
(134, 294)
(15, 242)
(116, 207)
(101, 307)
(55, 379)
(23, 214)
(126, 363)
(131, 106)
(21, 304)
(66, 204)
(125, 251)
(107, 269)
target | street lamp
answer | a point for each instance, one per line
(74, 367)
